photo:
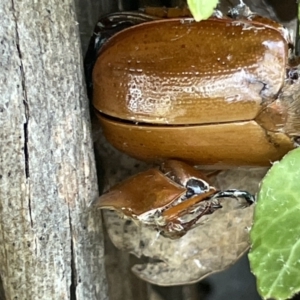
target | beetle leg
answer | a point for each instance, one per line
(176, 228)
(181, 208)
(237, 194)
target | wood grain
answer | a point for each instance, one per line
(51, 246)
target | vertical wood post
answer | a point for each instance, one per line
(51, 246)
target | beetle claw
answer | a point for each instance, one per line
(177, 228)
(236, 194)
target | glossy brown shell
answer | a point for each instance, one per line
(193, 91)
(131, 198)
(239, 143)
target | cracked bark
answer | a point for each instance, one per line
(51, 245)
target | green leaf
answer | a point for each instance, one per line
(275, 235)
(202, 9)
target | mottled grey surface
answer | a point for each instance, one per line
(51, 247)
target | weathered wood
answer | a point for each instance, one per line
(50, 244)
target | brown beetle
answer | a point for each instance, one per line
(217, 92)
(214, 92)
(170, 199)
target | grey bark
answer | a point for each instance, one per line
(51, 244)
